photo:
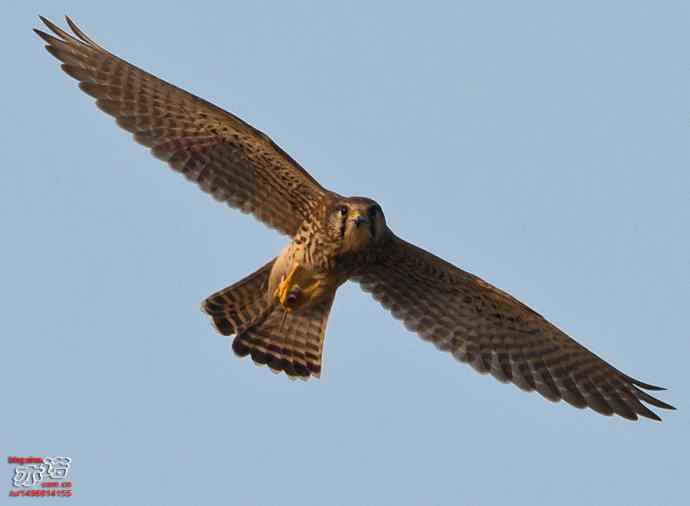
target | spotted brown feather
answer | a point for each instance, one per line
(225, 156)
(495, 333)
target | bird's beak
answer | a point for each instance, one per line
(358, 218)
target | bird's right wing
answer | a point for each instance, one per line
(225, 156)
(495, 333)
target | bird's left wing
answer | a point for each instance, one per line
(225, 156)
(495, 333)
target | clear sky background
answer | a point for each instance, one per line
(540, 145)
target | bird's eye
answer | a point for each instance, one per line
(343, 211)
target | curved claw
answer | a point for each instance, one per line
(290, 293)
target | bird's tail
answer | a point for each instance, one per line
(286, 341)
(236, 308)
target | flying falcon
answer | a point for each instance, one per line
(278, 314)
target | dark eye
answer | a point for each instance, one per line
(343, 210)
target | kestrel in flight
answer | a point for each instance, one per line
(278, 314)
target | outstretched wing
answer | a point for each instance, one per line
(225, 156)
(495, 333)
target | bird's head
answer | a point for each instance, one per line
(358, 222)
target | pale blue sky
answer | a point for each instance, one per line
(541, 145)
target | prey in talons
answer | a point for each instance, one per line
(297, 288)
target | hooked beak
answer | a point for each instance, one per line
(358, 218)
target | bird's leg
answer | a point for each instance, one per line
(290, 293)
(284, 287)
(312, 290)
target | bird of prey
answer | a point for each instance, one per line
(278, 314)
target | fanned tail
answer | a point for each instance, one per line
(291, 342)
(241, 305)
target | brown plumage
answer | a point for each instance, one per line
(278, 314)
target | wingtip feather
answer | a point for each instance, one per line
(79, 33)
(46, 37)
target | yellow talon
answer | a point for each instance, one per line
(312, 289)
(290, 294)
(285, 285)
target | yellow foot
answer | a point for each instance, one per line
(285, 285)
(290, 294)
(312, 290)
